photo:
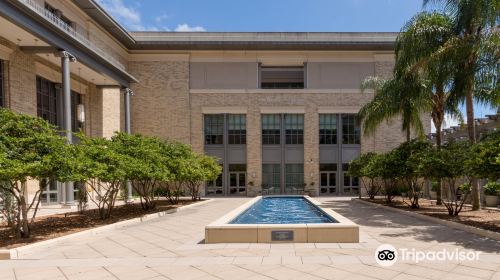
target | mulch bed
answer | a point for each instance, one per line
(485, 219)
(49, 227)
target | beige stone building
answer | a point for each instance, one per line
(277, 109)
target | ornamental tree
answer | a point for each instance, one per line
(30, 148)
(147, 166)
(104, 169)
(367, 167)
(484, 162)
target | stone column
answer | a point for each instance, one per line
(311, 150)
(254, 151)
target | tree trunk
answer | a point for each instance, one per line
(408, 135)
(25, 231)
(471, 127)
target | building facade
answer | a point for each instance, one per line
(278, 110)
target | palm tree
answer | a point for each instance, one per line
(474, 49)
(416, 48)
(401, 96)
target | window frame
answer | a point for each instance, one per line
(46, 96)
(328, 129)
(264, 84)
(213, 124)
(236, 131)
(294, 129)
(271, 131)
(351, 133)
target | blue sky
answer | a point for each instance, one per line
(266, 15)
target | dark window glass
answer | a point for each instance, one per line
(281, 77)
(271, 178)
(294, 178)
(350, 129)
(216, 187)
(294, 129)
(328, 129)
(237, 179)
(76, 99)
(2, 101)
(351, 184)
(237, 133)
(46, 97)
(214, 129)
(271, 128)
(328, 178)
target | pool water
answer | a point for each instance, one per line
(283, 210)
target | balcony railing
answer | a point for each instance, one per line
(37, 8)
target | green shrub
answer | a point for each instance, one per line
(491, 188)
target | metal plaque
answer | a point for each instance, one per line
(282, 235)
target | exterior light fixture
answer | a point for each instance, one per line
(80, 113)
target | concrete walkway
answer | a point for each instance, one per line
(172, 247)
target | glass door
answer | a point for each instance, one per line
(328, 182)
(237, 183)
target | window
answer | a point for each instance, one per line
(281, 77)
(46, 100)
(50, 193)
(76, 99)
(294, 178)
(2, 101)
(294, 129)
(350, 130)
(351, 184)
(214, 129)
(271, 178)
(237, 132)
(216, 186)
(328, 178)
(328, 129)
(271, 128)
(237, 179)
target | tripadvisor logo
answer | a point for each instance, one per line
(387, 255)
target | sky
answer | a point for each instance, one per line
(268, 15)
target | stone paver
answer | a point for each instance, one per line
(172, 247)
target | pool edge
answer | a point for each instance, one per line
(221, 231)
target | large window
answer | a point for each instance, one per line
(46, 100)
(271, 178)
(351, 184)
(271, 127)
(328, 129)
(237, 132)
(76, 99)
(350, 129)
(328, 178)
(216, 187)
(294, 129)
(294, 178)
(2, 98)
(281, 77)
(237, 179)
(214, 129)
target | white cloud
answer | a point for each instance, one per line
(186, 28)
(131, 18)
(161, 18)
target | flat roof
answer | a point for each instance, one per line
(264, 40)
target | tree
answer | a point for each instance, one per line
(416, 48)
(367, 168)
(391, 172)
(147, 166)
(400, 96)
(30, 148)
(104, 169)
(203, 169)
(483, 162)
(412, 155)
(474, 51)
(451, 164)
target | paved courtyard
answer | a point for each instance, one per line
(172, 247)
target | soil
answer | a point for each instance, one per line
(484, 218)
(48, 227)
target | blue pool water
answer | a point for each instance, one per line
(283, 210)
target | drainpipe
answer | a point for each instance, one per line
(66, 58)
(128, 92)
